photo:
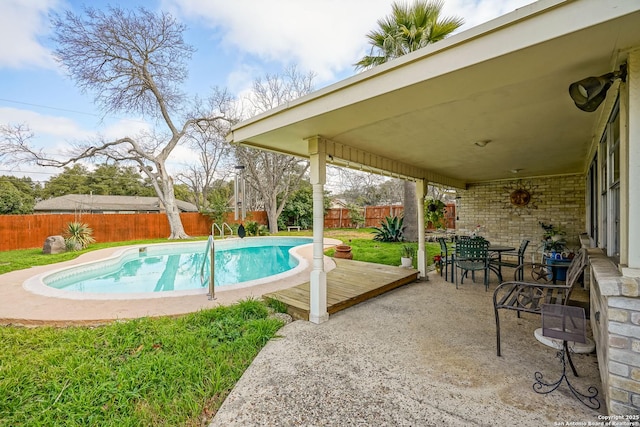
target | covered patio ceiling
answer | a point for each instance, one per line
(505, 82)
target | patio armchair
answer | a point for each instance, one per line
(499, 262)
(472, 255)
(446, 257)
(528, 297)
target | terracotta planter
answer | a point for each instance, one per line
(343, 251)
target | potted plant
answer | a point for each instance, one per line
(437, 261)
(406, 258)
(434, 214)
(553, 246)
(553, 239)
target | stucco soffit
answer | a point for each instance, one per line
(346, 156)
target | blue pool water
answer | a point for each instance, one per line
(175, 267)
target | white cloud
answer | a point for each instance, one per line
(124, 127)
(476, 12)
(241, 79)
(21, 24)
(327, 37)
(56, 134)
(323, 36)
(43, 126)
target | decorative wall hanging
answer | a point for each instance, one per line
(519, 197)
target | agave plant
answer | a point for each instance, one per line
(390, 230)
(78, 236)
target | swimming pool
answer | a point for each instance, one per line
(173, 269)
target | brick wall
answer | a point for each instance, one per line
(557, 200)
(615, 304)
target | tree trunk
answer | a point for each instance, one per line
(175, 224)
(168, 198)
(272, 214)
(410, 212)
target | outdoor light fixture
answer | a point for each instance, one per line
(589, 93)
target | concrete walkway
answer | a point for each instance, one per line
(421, 355)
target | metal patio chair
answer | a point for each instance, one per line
(472, 255)
(528, 297)
(447, 258)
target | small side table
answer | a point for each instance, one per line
(565, 323)
(556, 265)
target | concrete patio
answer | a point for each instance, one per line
(421, 355)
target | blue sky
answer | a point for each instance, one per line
(236, 41)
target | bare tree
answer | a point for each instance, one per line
(367, 189)
(213, 151)
(274, 176)
(134, 61)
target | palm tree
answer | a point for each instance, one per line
(408, 28)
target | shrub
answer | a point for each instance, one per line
(390, 230)
(254, 229)
(78, 236)
(356, 215)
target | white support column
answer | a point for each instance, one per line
(633, 191)
(318, 280)
(421, 187)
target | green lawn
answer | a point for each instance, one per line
(144, 372)
(364, 248)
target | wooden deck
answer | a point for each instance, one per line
(350, 283)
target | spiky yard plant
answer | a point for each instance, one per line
(78, 236)
(390, 230)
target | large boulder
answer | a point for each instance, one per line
(54, 245)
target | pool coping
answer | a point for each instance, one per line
(36, 284)
(21, 307)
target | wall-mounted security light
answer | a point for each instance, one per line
(589, 93)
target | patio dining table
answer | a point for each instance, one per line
(499, 249)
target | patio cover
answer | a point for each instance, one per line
(419, 116)
(505, 81)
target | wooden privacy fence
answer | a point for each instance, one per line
(373, 215)
(30, 231)
(339, 217)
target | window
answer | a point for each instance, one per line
(608, 233)
(592, 201)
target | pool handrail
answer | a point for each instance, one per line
(215, 226)
(209, 250)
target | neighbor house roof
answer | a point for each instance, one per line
(100, 203)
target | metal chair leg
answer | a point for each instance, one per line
(497, 332)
